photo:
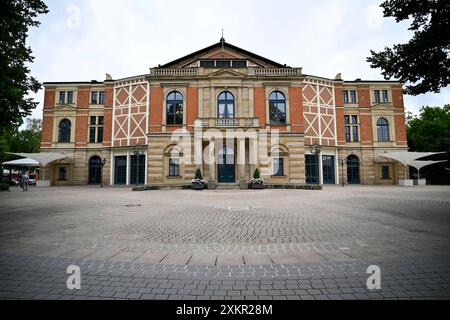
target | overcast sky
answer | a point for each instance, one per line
(81, 40)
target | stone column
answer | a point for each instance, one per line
(241, 158)
(212, 160)
(253, 155)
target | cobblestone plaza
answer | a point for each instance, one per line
(225, 244)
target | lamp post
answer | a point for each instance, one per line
(137, 152)
(101, 172)
(317, 149)
(342, 162)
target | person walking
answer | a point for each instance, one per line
(25, 181)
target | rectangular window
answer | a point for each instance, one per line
(100, 135)
(347, 119)
(328, 169)
(353, 96)
(93, 120)
(239, 64)
(223, 63)
(207, 64)
(385, 96)
(69, 97)
(101, 120)
(345, 94)
(62, 97)
(354, 119)
(174, 167)
(101, 97)
(355, 134)
(278, 167)
(92, 135)
(376, 96)
(347, 134)
(94, 99)
(385, 173)
(311, 169)
(62, 174)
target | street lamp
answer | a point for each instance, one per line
(137, 152)
(101, 172)
(317, 149)
(342, 162)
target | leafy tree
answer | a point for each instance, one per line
(21, 141)
(430, 132)
(424, 62)
(198, 174)
(16, 17)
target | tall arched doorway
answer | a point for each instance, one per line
(353, 170)
(226, 164)
(95, 170)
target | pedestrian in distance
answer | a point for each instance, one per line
(25, 181)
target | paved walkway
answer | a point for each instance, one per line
(245, 235)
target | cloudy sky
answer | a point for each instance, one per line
(81, 40)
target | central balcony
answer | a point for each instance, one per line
(230, 122)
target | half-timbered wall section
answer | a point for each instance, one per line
(319, 112)
(130, 114)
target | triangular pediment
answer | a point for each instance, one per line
(65, 107)
(222, 50)
(226, 73)
(381, 106)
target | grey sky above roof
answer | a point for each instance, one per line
(84, 39)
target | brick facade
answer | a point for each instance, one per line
(312, 110)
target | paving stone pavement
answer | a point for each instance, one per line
(244, 237)
(32, 277)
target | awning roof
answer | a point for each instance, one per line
(43, 158)
(27, 162)
(406, 158)
(422, 164)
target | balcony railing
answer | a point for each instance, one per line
(189, 72)
(278, 72)
(230, 122)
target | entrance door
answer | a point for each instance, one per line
(226, 166)
(353, 170)
(328, 170)
(120, 170)
(95, 170)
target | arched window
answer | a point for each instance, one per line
(225, 105)
(277, 108)
(65, 127)
(174, 108)
(353, 169)
(95, 170)
(383, 130)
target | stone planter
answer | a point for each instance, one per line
(406, 183)
(257, 186)
(420, 182)
(198, 186)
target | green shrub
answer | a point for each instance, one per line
(198, 174)
(4, 186)
(256, 174)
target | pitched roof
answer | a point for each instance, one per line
(197, 55)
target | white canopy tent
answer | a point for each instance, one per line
(42, 159)
(419, 165)
(27, 162)
(411, 159)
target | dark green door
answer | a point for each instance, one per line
(226, 166)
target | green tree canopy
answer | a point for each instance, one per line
(424, 62)
(16, 17)
(21, 141)
(430, 131)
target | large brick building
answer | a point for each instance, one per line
(273, 115)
